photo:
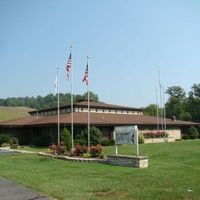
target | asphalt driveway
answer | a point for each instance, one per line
(10, 190)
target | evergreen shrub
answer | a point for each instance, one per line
(192, 133)
(66, 139)
(13, 141)
(4, 138)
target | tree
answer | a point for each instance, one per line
(151, 110)
(176, 103)
(193, 102)
(93, 97)
(66, 139)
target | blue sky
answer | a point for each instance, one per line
(126, 40)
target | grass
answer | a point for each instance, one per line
(174, 170)
(34, 149)
(7, 113)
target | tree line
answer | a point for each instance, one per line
(47, 101)
(180, 105)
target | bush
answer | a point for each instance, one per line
(192, 133)
(95, 151)
(57, 149)
(141, 138)
(102, 155)
(95, 136)
(5, 145)
(4, 138)
(66, 139)
(86, 155)
(107, 142)
(13, 141)
(81, 138)
(155, 134)
(79, 150)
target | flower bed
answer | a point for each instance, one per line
(80, 151)
(155, 134)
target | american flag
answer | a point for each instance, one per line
(69, 65)
(85, 78)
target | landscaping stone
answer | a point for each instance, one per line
(129, 161)
(121, 160)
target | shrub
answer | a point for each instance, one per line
(57, 149)
(155, 134)
(95, 151)
(66, 139)
(4, 138)
(102, 155)
(107, 142)
(81, 138)
(13, 141)
(95, 136)
(79, 150)
(86, 155)
(192, 132)
(5, 145)
(141, 138)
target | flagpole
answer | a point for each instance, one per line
(88, 108)
(161, 101)
(157, 119)
(164, 111)
(58, 98)
(72, 101)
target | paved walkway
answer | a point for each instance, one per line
(10, 190)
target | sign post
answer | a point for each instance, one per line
(136, 140)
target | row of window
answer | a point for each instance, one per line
(62, 111)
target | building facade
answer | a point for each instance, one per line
(41, 125)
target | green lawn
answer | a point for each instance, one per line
(173, 173)
(34, 149)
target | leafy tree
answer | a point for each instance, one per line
(193, 102)
(176, 103)
(66, 139)
(176, 92)
(151, 110)
(93, 97)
